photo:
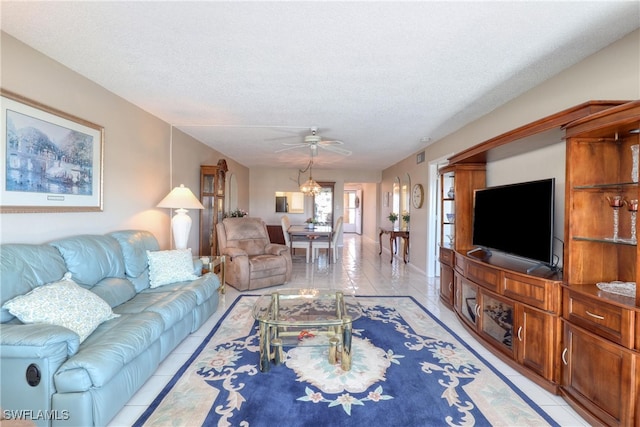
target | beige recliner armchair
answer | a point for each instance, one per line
(252, 261)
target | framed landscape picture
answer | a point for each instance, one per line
(50, 161)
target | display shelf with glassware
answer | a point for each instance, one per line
(212, 193)
(457, 184)
(601, 308)
(514, 310)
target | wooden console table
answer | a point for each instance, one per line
(394, 233)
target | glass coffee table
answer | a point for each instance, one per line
(305, 317)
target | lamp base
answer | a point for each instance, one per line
(181, 226)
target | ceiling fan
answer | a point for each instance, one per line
(313, 141)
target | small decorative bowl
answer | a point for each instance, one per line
(451, 217)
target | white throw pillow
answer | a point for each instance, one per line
(63, 303)
(167, 267)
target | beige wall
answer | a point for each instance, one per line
(264, 182)
(138, 158)
(611, 74)
(141, 164)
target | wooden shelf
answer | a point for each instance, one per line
(590, 339)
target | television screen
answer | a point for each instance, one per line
(516, 219)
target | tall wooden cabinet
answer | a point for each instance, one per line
(558, 329)
(212, 189)
(457, 184)
(601, 375)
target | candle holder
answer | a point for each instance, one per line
(632, 206)
(616, 202)
(634, 163)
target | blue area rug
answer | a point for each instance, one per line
(408, 369)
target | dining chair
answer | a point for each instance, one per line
(296, 242)
(324, 243)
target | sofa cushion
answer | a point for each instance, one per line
(114, 291)
(91, 258)
(167, 267)
(203, 288)
(112, 346)
(62, 303)
(135, 244)
(23, 267)
(248, 234)
(171, 306)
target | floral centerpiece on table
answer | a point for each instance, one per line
(406, 216)
(393, 217)
(238, 213)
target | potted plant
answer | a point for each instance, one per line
(238, 213)
(406, 217)
(393, 217)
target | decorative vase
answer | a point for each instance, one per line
(450, 194)
(616, 203)
(632, 205)
(634, 163)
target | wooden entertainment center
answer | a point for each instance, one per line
(558, 329)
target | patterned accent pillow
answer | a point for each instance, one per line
(62, 303)
(167, 267)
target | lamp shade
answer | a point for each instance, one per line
(180, 198)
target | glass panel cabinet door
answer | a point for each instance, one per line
(497, 320)
(212, 186)
(469, 302)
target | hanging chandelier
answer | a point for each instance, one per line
(310, 187)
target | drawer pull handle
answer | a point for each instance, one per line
(520, 333)
(594, 315)
(478, 310)
(564, 354)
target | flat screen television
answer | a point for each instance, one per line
(516, 219)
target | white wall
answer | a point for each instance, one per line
(264, 182)
(610, 74)
(138, 159)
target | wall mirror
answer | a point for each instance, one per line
(395, 204)
(290, 202)
(405, 201)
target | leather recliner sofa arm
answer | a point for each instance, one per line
(30, 355)
(276, 249)
(37, 341)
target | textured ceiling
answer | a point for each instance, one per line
(379, 76)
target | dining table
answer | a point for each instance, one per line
(312, 233)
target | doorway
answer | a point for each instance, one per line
(352, 216)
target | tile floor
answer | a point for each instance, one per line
(363, 272)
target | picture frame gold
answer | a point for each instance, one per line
(50, 161)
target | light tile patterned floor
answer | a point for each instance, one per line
(363, 272)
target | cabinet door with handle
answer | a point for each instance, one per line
(537, 335)
(599, 376)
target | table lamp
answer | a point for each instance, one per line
(181, 199)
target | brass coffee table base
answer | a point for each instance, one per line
(275, 328)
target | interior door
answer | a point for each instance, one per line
(352, 217)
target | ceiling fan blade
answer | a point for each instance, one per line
(331, 142)
(280, 138)
(335, 149)
(290, 147)
(297, 144)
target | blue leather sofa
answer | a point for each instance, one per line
(53, 378)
